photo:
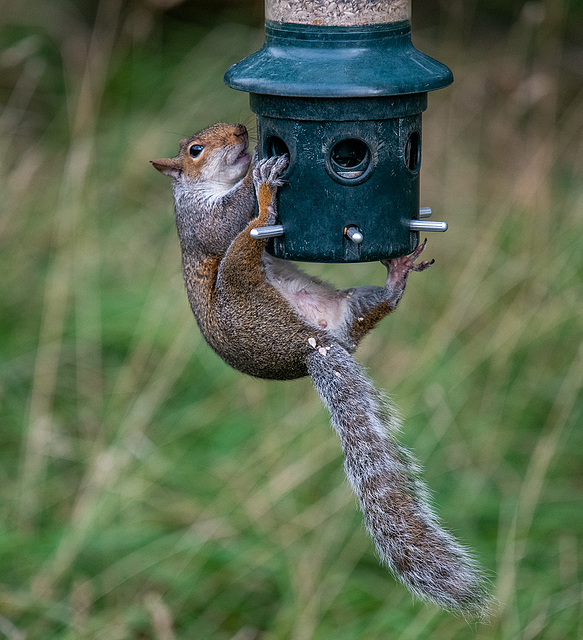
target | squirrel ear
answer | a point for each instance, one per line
(168, 166)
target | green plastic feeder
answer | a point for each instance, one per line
(340, 87)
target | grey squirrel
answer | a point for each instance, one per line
(267, 318)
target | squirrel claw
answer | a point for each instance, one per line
(271, 215)
(269, 169)
(400, 267)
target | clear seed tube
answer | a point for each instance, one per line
(338, 13)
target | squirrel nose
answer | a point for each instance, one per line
(240, 129)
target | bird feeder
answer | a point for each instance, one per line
(340, 88)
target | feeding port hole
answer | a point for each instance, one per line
(276, 147)
(412, 155)
(350, 158)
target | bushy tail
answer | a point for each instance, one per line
(407, 535)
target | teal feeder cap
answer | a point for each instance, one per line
(345, 104)
(338, 62)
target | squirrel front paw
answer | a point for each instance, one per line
(269, 170)
(266, 180)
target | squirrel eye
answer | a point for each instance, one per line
(195, 150)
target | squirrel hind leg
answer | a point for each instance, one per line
(369, 304)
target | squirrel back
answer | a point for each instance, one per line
(267, 318)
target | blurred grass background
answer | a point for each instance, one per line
(150, 492)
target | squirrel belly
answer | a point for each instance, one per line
(268, 319)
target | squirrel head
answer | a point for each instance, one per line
(215, 155)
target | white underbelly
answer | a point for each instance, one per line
(319, 303)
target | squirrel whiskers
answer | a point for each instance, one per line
(267, 318)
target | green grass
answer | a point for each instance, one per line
(150, 492)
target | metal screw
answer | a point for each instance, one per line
(354, 234)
